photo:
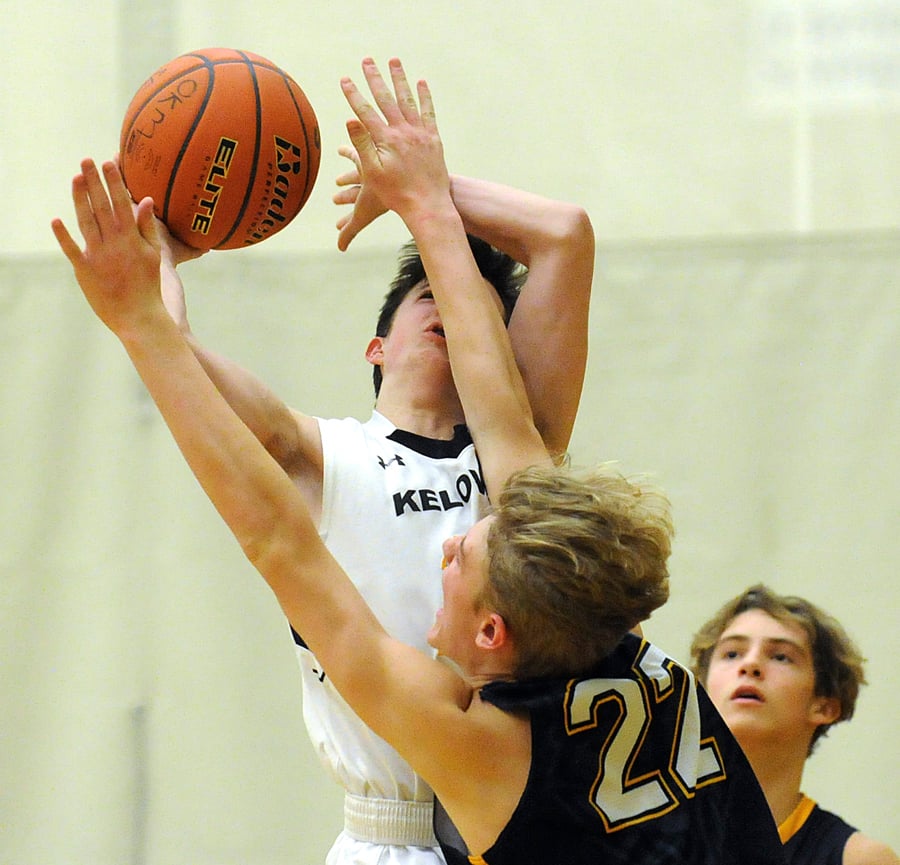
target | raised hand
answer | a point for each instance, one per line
(399, 154)
(118, 270)
(367, 207)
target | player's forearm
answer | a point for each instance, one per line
(241, 480)
(488, 380)
(268, 418)
(521, 224)
(548, 328)
(476, 337)
(264, 413)
(261, 506)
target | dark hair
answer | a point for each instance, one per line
(501, 271)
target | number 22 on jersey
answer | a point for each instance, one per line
(662, 695)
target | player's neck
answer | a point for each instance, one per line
(780, 774)
(432, 415)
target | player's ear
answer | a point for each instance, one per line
(375, 351)
(492, 635)
(825, 710)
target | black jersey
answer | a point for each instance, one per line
(814, 836)
(633, 765)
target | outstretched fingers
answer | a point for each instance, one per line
(93, 213)
(83, 194)
(149, 227)
(394, 109)
(119, 196)
(386, 100)
(350, 181)
(67, 244)
(106, 216)
(92, 204)
(406, 102)
(116, 212)
(367, 115)
(397, 156)
(366, 206)
(99, 213)
(353, 176)
(363, 142)
(429, 120)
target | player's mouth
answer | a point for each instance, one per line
(747, 693)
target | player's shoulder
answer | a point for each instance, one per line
(863, 850)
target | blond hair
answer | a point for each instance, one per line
(576, 559)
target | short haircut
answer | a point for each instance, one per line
(504, 273)
(576, 559)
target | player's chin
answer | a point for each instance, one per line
(741, 720)
(433, 635)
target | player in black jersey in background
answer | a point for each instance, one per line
(782, 672)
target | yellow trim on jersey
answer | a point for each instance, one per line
(795, 820)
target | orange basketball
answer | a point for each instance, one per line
(227, 145)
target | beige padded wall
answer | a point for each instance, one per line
(153, 708)
(743, 348)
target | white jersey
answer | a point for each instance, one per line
(390, 499)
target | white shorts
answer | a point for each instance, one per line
(347, 850)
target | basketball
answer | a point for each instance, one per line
(227, 145)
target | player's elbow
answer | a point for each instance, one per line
(581, 235)
(572, 226)
(567, 240)
(274, 545)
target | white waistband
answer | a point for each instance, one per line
(389, 821)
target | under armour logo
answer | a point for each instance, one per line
(396, 458)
